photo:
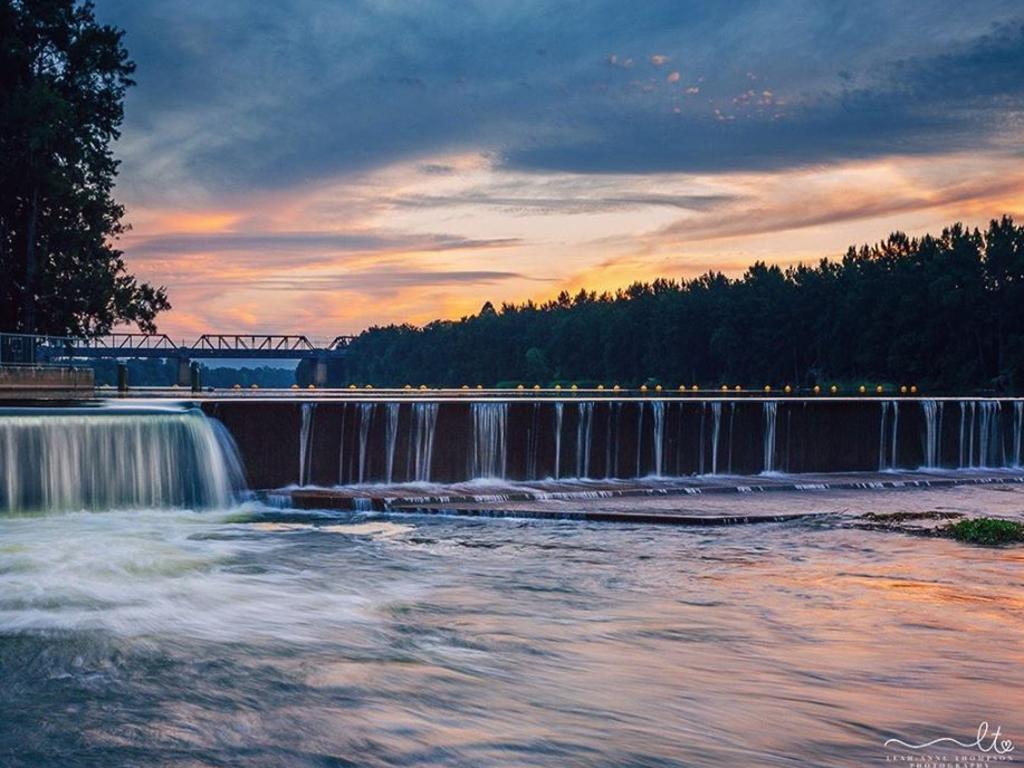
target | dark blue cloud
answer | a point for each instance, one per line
(234, 95)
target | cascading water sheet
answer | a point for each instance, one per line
(58, 460)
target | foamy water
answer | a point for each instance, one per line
(265, 637)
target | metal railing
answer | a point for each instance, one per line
(27, 349)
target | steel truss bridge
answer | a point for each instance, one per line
(33, 349)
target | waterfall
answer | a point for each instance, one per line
(990, 444)
(981, 443)
(888, 431)
(961, 462)
(533, 443)
(732, 420)
(559, 408)
(365, 418)
(771, 409)
(390, 439)
(639, 437)
(62, 460)
(584, 423)
(700, 439)
(490, 422)
(617, 410)
(609, 470)
(424, 425)
(1018, 431)
(716, 433)
(932, 432)
(658, 411)
(306, 442)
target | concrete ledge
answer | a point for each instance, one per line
(45, 381)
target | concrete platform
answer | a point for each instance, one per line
(45, 382)
(661, 501)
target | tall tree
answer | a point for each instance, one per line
(63, 77)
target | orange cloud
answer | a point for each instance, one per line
(438, 236)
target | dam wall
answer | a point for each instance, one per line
(398, 440)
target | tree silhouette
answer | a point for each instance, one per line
(63, 78)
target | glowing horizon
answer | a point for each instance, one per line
(325, 170)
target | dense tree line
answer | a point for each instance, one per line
(944, 312)
(63, 78)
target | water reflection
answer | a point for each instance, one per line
(270, 638)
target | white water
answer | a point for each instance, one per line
(932, 432)
(57, 460)
(425, 424)
(584, 425)
(490, 424)
(395, 442)
(1018, 431)
(658, 410)
(771, 410)
(888, 435)
(390, 439)
(559, 411)
(365, 417)
(716, 433)
(305, 439)
(981, 442)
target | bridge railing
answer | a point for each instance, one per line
(20, 348)
(253, 342)
(126, 341)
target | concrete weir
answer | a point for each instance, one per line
(382, 440)
(45, 382)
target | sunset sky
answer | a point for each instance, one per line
(320, 166)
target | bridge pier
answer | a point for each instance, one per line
(320, 372)
(184, 377)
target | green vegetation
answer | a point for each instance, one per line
(986, 531)
(943, 312)
(63, 78)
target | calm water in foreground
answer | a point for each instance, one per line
(264, 637)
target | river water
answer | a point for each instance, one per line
(271, 637)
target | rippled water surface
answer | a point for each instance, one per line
(277, 638)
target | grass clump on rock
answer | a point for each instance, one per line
(987, 531)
